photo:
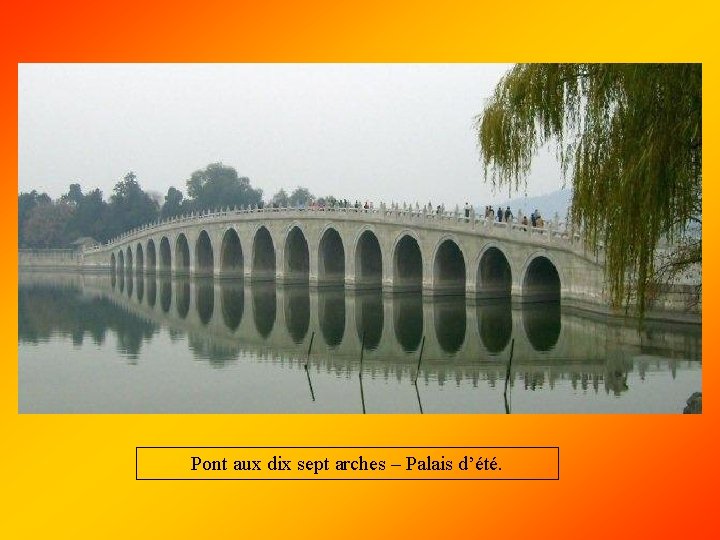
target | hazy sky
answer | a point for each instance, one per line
(400, 132)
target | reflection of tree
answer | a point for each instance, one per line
(616, 374)
(205, 348)
(45, 311)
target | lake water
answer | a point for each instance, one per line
(112, 344)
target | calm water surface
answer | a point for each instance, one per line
(98, 343)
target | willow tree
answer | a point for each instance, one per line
(629, 139)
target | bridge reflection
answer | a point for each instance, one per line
(387, 323)
(224, 319)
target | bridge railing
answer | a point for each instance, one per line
(391, 214)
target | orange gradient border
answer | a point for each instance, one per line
(72, 476)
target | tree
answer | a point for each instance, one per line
(26, 203)
(329, 200)
(173, 204)
(220, 186)
(629, 138)
(301, 196)
(46, 225)
(130, 206)
(281, 199)
(89, 217)
(74, 195)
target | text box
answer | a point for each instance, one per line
(348, 463)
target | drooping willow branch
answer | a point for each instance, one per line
(629, 141)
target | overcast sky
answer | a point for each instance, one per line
(401, 132)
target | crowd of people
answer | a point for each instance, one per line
(506, 216)
(500, 215)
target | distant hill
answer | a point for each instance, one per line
(548, 204)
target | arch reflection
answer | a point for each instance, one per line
(369, 317)
(495, 324)
(140, 288)
(165, 294)
(182, 298)
(152, 292)
(232, 301)
(450, 318)
(542, 324)
(205, 298)
(408, 320)
(297, 312)
(331, 313)
(264, 301)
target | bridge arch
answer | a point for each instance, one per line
(449, 268)
(165, 258)
(121, 262)
(263, 255)
(204, 258)
(368, 259)
(139, 259)
(407, 263)
(182, 255)
(494, 274)
(331, 257)
(151, 256)
(113, 263)
(297, 255)
(231, 254)
(541, 279)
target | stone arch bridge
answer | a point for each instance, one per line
(393, 249)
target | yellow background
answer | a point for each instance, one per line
(628, 475)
